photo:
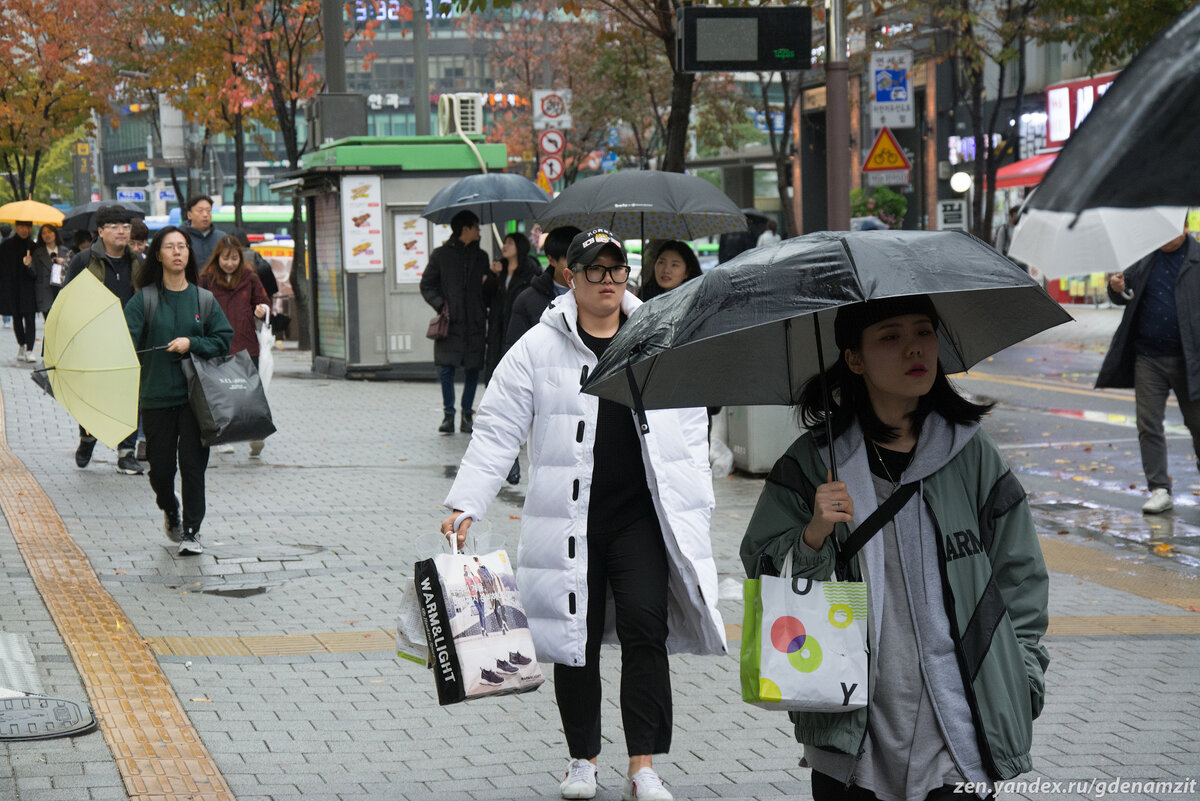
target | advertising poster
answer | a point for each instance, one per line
(412, 247)
(362, 223)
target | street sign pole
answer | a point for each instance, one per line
(837, 119)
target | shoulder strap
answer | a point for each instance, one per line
(871, 526)
(149, 307)
(206, 304)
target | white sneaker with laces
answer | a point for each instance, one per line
(580, 781)
(645, 785)
(1160, 501)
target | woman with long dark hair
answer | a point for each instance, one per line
(49, 252)
(240, 293)
(674, 264)
(170, 317)
(511, 273)
(956, 582)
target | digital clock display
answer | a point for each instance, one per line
(389, 10)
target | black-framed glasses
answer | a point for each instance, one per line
(594, 273)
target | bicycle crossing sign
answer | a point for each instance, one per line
(886, 164)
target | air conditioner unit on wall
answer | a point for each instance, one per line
(462, 112)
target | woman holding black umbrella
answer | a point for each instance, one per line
(511, 273)
(956, 582)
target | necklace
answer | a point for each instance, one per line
(895, 482)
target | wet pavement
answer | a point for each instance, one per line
(276, 644)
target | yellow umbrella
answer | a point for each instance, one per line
(90, 359)
(30, 211)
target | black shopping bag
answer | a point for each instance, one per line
(475, 626)
(227, 397)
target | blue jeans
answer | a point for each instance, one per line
(470, 382)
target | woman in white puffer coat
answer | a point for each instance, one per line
(608, 509)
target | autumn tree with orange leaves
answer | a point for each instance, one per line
(50, 81)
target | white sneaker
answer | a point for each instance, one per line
(580, 781)
(21, 354)
(30, 356)
(1160, 501)
(226, 448)
(645, 786)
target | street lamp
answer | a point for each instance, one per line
(961, 182)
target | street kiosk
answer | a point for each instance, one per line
(367, 247)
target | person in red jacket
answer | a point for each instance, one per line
(241, 296)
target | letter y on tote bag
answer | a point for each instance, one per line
(804, 644)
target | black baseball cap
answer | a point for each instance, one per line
(585, 247)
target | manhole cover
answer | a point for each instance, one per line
(37, 717)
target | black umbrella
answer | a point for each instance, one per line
(1138, 146)
(636, 204)
(493, 197)
(755, 329)
(83, 217)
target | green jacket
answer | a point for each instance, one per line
(178, 315)
(992, 573)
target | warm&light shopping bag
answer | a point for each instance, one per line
(475, 626)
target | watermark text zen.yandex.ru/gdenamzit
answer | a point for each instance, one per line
(1097, 788)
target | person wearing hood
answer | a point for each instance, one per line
(112, 262)
(956, 582)
(199, 229)
(608, 508)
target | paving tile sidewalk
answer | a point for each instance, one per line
(317, 536)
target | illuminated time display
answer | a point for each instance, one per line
(389, 10)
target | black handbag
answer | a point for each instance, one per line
(227, 397)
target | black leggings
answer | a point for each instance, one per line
(827, 788)
(172, 434)
(633, 560)
(25, 328)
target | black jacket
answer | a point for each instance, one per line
(456, 274)
(501, 310)
(1117, 370)
(527, 307)
(16, 280)
(43, 265)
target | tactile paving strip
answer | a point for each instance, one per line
(157, 750)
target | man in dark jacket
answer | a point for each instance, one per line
(112, 262)
(454, 277)
(528, 305)
(200, 230)
(1156, 350)
(19, 297)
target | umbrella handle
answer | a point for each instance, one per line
(149, 350)
(825, 397)
(638, 406)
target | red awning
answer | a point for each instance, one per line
(1026, 172)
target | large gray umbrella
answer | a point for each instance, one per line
(1138, 146)
(645, 204)
(744, 332)
(494, 197)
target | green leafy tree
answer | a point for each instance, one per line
(1110, 31)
